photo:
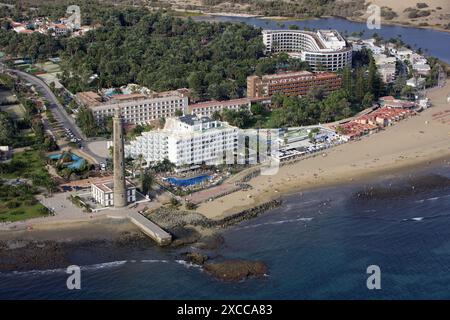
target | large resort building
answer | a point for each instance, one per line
(209, 108)
(292, 83)
(187, 140)
(323, 50)
(136, 108)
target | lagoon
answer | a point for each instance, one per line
(433, 42)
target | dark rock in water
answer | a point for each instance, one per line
(410, 187)
(210, 242)
(195, 258)
(236, 270)
(34, 255)
(183, 236)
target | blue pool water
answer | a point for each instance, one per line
(189, 181)
(77, 163)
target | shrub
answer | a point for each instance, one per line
(421, 5)
(190, 205)
(174, 202)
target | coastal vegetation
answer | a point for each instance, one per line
(19, 203)
(26, 131)
(361, 86)
(22, 179)
(28, 165)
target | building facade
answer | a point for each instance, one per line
(292, 83)
(186, 140)
(136, 108)
(208, 108)
(103, 192)
(323, 50)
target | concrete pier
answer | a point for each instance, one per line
(151, 229)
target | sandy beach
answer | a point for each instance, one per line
(412, 142)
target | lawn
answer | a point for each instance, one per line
(28, 165)
(19, 203)
(23, 212)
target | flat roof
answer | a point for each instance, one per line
(220, 103)
(192, 119)
(108, 186)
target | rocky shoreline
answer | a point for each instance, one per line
(190, 227)
(53, 249)
(25, 255)
(228, 270)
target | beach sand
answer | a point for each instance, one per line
(411, 142)
(102, 228)
(414, 142)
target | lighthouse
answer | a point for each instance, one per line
(120, 196)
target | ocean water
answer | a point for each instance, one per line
(433, 42)
(317, 245)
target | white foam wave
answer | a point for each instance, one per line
(275, 223)
(154, 261)
(63, 270)
(188, 264)
(104, 265)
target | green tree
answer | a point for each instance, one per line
(8, 129)
(147, 181)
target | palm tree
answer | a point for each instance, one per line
(140, 159)
(147, 180)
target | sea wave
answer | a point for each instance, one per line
(154, 261)
(188, 264)
(274, 223)
(432, 199)
(92, 267)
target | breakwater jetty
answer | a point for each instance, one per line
(151, 229)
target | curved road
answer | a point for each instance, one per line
(58, 110)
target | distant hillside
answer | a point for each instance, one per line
(287, 8)
(416, 12)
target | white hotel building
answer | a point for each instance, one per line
(186, 140)
(136, 108)
(326, 48)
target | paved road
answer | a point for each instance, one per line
(58, 110)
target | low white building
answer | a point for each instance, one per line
(187, 140)
(416, 82)
(369, 44)
(103, 192)
(386, 67)
(422, 69)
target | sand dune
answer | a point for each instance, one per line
(439, 11)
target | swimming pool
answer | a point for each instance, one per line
(189, 181)
(77, 163)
